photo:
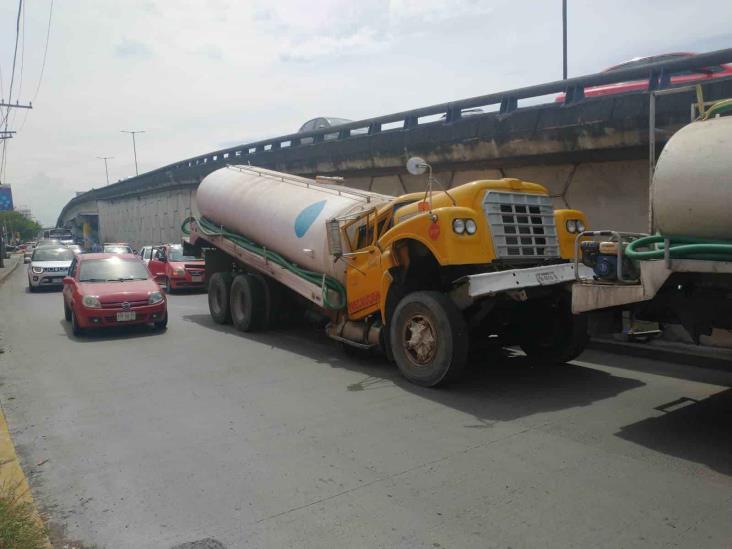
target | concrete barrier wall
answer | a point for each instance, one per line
(149, 219)
(613, 194)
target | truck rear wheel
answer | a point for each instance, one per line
(553, 334)
(429, 338)
(272, 306)
(247, 303)
(219, 287)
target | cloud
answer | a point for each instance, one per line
(199, 75)
(132, 48)
(211, 51)
(365, 41)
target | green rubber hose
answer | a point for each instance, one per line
(680, 247)
(326, 282)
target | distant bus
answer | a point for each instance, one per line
(58, 234)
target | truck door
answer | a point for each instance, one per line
(363, 274)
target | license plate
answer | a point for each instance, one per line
(547, 278)
(195, 278)
(126, 316)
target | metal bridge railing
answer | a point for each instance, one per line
(657, 74)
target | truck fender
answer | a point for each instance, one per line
(386, 284)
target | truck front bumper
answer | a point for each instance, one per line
(473, 287)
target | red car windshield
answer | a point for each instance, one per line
(176, 254)
(117, 249)
(112, 269)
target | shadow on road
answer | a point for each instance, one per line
(500, 387)
(689, 429)
(113, 333)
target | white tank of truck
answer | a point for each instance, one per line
(287, 214)
(692, 183)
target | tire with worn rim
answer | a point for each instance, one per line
(429, 338)
(218, 297)
(247, 303)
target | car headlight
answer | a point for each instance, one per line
(458, 225)
(37, 270)
(155, 297)
(470, 226)
(571, 225)
(91, 301)
(179, 272)
(580, 226)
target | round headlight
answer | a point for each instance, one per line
(580, 226)
(458, 225)
(470, 226)
(571, 225)
(91, 301)
(37, 270)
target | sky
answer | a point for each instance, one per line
(200, 75)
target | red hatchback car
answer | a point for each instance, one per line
(176, 271)
(112, 290)
(690, 76)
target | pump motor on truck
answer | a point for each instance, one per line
(420, 276)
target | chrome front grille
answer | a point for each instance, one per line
(118, 304)
(522, 225)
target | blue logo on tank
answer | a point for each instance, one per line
(305, 218)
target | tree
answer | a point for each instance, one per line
(15, 222)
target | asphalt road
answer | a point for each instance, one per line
(137, 440)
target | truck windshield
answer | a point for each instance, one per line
(111, 269)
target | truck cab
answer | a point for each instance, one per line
(457, 254)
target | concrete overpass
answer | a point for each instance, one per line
(591, 152)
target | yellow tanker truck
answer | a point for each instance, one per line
(419, 276)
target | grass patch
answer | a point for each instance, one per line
(20, 526)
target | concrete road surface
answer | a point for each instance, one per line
(137, 439)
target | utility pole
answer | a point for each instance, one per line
(564, 39)
(106, 168)
(15, 105)
(134, 146)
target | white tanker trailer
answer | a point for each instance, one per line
(416, 275)
(681, 274)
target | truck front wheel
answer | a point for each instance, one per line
(429, 338)
(219, 286)
(554, 335)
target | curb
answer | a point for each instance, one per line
(704, 357)
(7, 271)
(12, 472)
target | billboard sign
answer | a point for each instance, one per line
(6, 198)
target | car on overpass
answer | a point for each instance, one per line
(689, 76)
(107, 289)
(324, 122)
(48, 267)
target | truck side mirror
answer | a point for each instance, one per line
(335, 242)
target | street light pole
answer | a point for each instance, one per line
(134, 146)
(106, 168)
(564, 39)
